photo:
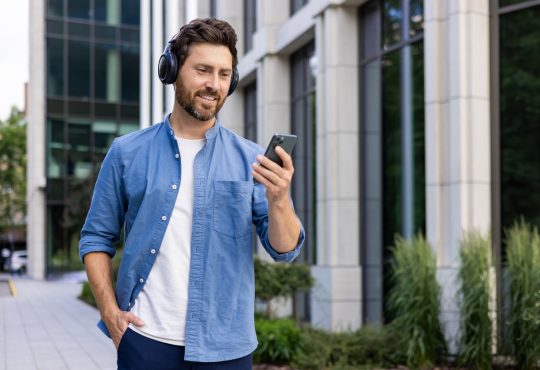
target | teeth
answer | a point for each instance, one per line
(212, 98)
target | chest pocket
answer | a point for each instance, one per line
(232, 207)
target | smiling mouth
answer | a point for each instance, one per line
(208, 98)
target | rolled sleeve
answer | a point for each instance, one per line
(101, 230)
(260, 220)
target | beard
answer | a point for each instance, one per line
(192, 105)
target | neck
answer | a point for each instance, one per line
(187, 127)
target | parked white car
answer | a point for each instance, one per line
(17, 262)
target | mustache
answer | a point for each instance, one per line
(209, 92)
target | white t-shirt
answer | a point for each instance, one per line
(162, 303)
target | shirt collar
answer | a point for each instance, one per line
(209, 134)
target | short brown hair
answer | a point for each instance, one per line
(211, 30)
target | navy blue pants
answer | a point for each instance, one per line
(137, 352)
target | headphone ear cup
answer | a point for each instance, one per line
(168, 66)
(234, 81)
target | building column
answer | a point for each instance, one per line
(36, 137)
(336, 296)
(458, 180)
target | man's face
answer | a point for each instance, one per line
(203, 80)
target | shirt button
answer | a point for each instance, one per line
(153, 251)
(163, 218)
(174, 186)
(177, 156)
(141, 280)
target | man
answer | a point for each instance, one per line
(187, 191)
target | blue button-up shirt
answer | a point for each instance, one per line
(134, 189)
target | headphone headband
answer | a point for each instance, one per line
(168, 68)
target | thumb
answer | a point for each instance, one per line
(130, 317)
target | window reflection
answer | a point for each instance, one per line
(79, 68)
(391, 22)
(520, 116)
(79, 9)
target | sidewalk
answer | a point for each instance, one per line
(46, 327)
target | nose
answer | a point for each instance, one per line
(212, 82)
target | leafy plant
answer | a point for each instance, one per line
(273, 280)
(414, 301)
(278, 340)
(523, 263)
(476, 325)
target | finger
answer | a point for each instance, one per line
(285, 158)
(130, 317)
(268, 163)
(266, 173)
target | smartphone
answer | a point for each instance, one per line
(285, 141)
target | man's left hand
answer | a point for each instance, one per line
(276, 179)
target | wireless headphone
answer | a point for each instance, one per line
(168, 69)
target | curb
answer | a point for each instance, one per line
(12, 288)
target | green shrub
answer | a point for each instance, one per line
(86, 295)
(273, 280)
(476, 325)
(278, 340)
(414, 301)
(523, 263)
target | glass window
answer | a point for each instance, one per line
(250, 23)
(79, 68)
(107, 11)
(79, 9)
(520, 116)
(296, 5)
(416, 17)
(105, 33)
(303, 187)
(510, 2)
(55, 67)
(250, 112)
(107, 72)
(56, 157)
(55, 8)
(392, 15)
(78, 30)
(79, 154)
(131, 12)
(130, 73)
(55, 27)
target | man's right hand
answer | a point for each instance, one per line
(117, 324)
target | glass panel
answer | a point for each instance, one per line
(79, 108)
(79, 155)
(56, 157)
(370, 23)
(510, 2)
(107, 72)
(130, 35)
(130, 73)
(392, 147)
(296, 5)
(250, 112)
(391, 22)
(416, 20)
(55, 67)
(127, 127)
(78, 30)
(104, 134)
(107, 11)
(55, 106)
(129, 112)
(79, 9)
(520, 116)
(106, 33)
(79, 68)
(55, 27)
(131, 12)
(250, 23)
(55, 8)
(105, 110)
(419, 166)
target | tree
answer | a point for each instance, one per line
(12, 170)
